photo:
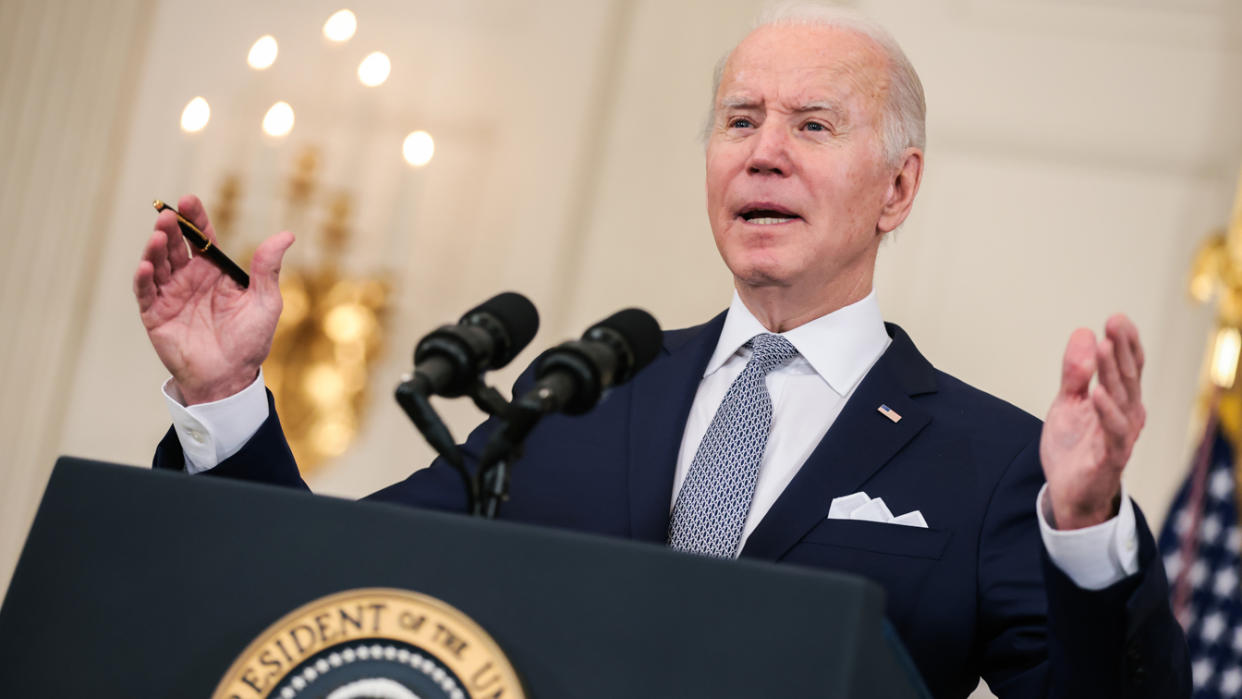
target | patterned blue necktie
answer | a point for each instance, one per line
(714, 500)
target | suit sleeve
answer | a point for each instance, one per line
(1043, 636)
(266, 458)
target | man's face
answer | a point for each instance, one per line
(796, 178)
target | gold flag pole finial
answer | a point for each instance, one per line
(1229, 271)
(1217, 274)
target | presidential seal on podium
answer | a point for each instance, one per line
(372, 643)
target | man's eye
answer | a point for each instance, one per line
(740, 123)
(815, 126)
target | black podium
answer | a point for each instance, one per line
(141, 583)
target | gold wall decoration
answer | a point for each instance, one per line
(1216, 276)
(330, 332)
(224, 210)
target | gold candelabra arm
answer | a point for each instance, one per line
(1216, 274)
(224, 210)
(1208, 271)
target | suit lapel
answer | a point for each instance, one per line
(858, 444)
(661, 397)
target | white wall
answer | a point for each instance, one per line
(64, 103)
(1078, 152)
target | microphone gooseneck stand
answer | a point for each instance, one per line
(569, 380)
(505, 447)
(488, 487)
(413, 395)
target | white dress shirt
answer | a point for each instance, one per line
(835, 352)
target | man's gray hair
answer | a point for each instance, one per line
(903, 124)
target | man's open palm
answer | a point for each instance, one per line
(211, 334)
(1090, 431)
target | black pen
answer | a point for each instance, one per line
(205, 248)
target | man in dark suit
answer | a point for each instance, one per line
(796, 427)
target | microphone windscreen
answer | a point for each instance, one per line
(517, 315)
(640, 330)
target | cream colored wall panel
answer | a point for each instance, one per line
(63, 109)
(1074, 89)
(1187, 22)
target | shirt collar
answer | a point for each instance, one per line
(840, 346)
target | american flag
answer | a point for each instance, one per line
(889, 413)
(1200, 544)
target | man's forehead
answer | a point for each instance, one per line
(804, 64)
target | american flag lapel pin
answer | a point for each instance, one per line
(889, 413)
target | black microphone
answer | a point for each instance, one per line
(573, 376)
(448, 360)
(569, 378)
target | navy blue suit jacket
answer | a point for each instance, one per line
(972, 595)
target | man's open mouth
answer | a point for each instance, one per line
(767, 215)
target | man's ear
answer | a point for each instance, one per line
(901, 190)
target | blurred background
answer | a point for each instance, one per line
(429, 155)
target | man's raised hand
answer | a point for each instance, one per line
(1090, 430)
(210, 333)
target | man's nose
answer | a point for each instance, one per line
(769, 154)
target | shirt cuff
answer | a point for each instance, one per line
(1093, 557)
(212, 432)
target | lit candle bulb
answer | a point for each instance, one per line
(278, 121)
(195, 115)
(374, 69)
(262, 53)
(418, 148)
(340, 26)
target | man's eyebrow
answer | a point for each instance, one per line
(743, 102)
(819, 106)
(739, 102)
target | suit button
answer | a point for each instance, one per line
(1134, 660)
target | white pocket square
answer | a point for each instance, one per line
(844, 505)
(913, 518)
(859, 506)
(874, 511)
